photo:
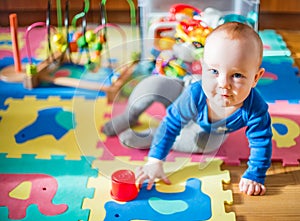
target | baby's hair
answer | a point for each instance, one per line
(240, 31)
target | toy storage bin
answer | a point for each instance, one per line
(152, 10)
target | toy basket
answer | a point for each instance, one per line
(151, 11)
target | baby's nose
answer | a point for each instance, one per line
(224, 81)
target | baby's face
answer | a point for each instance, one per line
(230, 69)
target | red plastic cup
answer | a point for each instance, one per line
(123, 185)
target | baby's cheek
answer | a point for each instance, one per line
(208, 84)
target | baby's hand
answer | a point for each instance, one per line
(151, 170)
(251, 187)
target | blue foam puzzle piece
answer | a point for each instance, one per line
(191, 204)
(283, 83)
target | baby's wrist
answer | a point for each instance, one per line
(154, 160)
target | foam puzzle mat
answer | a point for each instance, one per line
(60, 189)
(55, 164)
(51, 168)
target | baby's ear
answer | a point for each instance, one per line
(258, 75)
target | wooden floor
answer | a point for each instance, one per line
(282, 200)
(292, 38)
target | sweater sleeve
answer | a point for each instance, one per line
(178, 114)
(259, 134)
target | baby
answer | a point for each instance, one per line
(224, 101)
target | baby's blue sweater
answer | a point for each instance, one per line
(191, 105)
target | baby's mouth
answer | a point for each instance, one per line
(225, 95)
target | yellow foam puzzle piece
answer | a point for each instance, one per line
(179, 171)
(82, 140)
(287, 140)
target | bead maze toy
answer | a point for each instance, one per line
(66, 43)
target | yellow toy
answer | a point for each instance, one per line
(183, 58)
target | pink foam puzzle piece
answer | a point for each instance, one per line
(286, 146)
(284, 107)
(113, 148)
(235, 148)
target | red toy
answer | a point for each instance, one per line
(123, 185)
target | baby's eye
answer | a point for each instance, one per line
(213, 71)
(237, 75)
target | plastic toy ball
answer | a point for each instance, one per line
(76, 36)
(60, 41)
(90, 36)
(58, 38)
